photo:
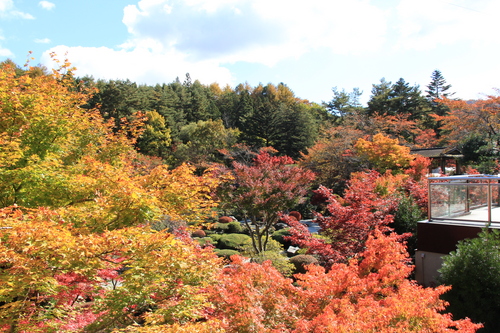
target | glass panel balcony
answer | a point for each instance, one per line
(472, 198)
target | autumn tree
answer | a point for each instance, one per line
(348, 220)
(76, 249)
(384, 153)
(474, 125)
(59, 155)
(471, 117)
(259, 192)
(201, 142)
(332, 157)
(49, 271)
(371, 293)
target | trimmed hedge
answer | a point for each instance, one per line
(221, 227)
(215, 237)
(225, 219)
(295, 214)
(231, 227)
(302, 260)
(198, 233)
(225, 253)
(235, 227)
(279, 235)
(233, 241)
(205, 241)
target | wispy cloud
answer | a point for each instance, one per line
(447, 23)
(264, 31)
(42, 40)
(46, 5)
(168, 38)
(3, 51)
(149, 67)
(7, 10)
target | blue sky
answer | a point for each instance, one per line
(311, 45)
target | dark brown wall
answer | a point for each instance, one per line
(442, 238)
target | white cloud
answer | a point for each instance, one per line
(140, 65)
(7, 9)
(168, 38)
(171, 38)
(46, 5)
(3, 51)
(42, 40)
(264, 31)
(427, 24)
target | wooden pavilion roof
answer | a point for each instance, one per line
(438, 152)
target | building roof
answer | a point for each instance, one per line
(438, 152)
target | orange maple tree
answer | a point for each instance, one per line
(384, 153)
(370, 293)
(470, 117)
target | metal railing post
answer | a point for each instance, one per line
(429, 215)
(467, 197)
(489, 203)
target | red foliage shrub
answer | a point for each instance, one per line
(225, 219)
(349, 221)
(295, 214)
(319, 198)
(198, 233)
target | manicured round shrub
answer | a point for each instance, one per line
(279, 261)
(205, 241)
(225, 219)
(215, 238)
(301, 261)
(198, 233)
(234, 227)
(221, 227)
(225, 253)
(279, 236)
(284, 221)
(233, 241)
(295, 214)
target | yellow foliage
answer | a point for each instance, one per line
(56, 154)
(211, 326)
(384, 153)
(388, 183)
(40, 256)
(181, 194)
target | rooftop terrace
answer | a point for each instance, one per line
(466, 200)
(459, 208)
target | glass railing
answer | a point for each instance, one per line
(472, 198)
